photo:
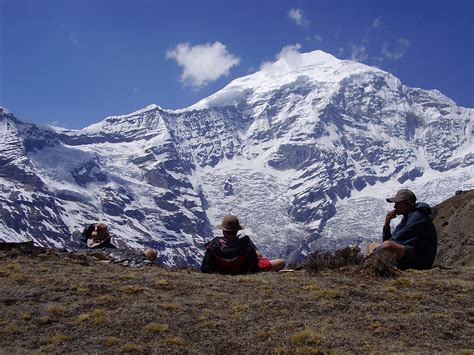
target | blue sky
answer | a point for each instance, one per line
(74, 62)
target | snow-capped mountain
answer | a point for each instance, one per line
(304, 152)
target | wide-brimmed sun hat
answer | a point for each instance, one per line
(403, 195)
(230, 223)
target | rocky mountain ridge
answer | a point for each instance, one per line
(303, 152)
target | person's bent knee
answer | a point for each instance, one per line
(278, 264)
(393, 247)
(372, 246)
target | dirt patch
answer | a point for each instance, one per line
(69, 305)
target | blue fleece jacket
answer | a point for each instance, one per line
(416, 231)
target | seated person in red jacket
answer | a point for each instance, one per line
(235, 253)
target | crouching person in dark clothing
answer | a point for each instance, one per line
(414, 240)
(235, 254)
(96, 236)
(96, 241)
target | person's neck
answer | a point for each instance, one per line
(230, 236)
(408, 212)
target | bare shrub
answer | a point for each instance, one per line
(381, 264)
(321, 260)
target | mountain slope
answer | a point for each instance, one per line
(455, 229)
(303, 151)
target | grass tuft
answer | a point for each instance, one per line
(176, 341)
(132, 289)
(327, 293)
(264, 334)
(98, 316)
(237, 309)
(249, 279)
(128, 275)
(99, 312)
(82, 290)
(11, 329)
(401, 282)
(170, 306)
(106, 298)
(381, 265)
(306, 337)
(25, 315)
(280, 350)
(111, 341)
(161, 283)
(84, 317)
(45, 320)
(59, 339)
(55, 309)
(307, 350)
(131, 348)
(156, 328)
(376, 324)
(416, 296)
(99, 320)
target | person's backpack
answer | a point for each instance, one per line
(232, 258)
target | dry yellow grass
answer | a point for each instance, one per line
(156, 327)
(154, 310)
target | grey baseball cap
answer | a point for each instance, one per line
(403, 195)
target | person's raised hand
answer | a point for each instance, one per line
(390, 215)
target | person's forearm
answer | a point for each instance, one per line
(387, 233)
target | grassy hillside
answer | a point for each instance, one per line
(57, 304)
(77, 304)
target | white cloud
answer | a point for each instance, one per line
(296, 15)
(289, 57)
(358, 53)
(376, 23)
(395, 51)
(291, 54)
(203, 63)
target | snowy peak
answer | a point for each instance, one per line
(142, 123)
(317, 68)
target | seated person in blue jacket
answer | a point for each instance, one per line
(414, 240)
(234, 253)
